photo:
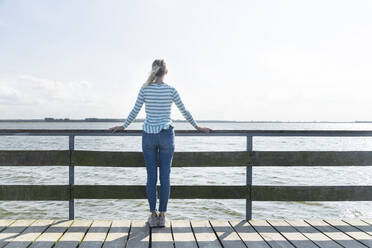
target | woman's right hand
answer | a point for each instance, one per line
(204, 129)
(116, 128)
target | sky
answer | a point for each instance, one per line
(264, 60)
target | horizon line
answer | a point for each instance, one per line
(50, 119)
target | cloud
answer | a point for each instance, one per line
(8, 95)
(58, 91)
(32, 96)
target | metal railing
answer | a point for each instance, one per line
(248, 158)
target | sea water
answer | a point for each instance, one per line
(189, 208)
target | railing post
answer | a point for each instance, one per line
(71, 178)
(248, 203)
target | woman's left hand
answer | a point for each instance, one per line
(116, 128)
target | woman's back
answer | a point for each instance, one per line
(158, 98)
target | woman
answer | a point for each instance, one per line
(158, 136)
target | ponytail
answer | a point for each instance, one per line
(158, 70)
(151, 77)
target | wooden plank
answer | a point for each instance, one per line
(226, 234)
(330, 233)
(269, 234)
(5, 223)
(182, 234)
(13, 230)
(187, 159)
(242, 132)
(109, 191)
(29, 234)
(139, 235)
(339, 237)
(161, 237)
(259, 192)
(176, 191)
(34, 157)
(204, 234)
(209, 192)
(34, 192)
(361, 225)
(311, 193)
(291, 234)
(74, 235)
(180, 159)
(96, 234)
(54, 232)
(313, 234)
(369, 221)
(234, 158)
(353, 232)
(118, 234)
(312, 158)
(247, 233)
(61, 192)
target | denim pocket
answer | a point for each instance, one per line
(169, 130)
(166, 139)
(147, 141)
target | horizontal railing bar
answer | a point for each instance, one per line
(119, 159)
(186, 159)
(227, 158)
(180, 159)
(259, 192)
(104, 132)
(312, 158)
(311, 193)
(34, 192)
(60, 192)
(176, 191)
(34, 158)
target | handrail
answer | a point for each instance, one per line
(104, 132)
(186, 159)
(248, 158)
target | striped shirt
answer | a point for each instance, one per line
(158, 99)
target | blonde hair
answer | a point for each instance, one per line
(158, 70)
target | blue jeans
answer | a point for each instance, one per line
(158, 147)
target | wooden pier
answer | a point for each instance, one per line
(44, 233)
(71, 232)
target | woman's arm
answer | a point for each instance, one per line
(177, 100)
(137, 107)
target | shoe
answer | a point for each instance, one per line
(162, 221)
(152, 220)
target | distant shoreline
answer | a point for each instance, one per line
(142, 120)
